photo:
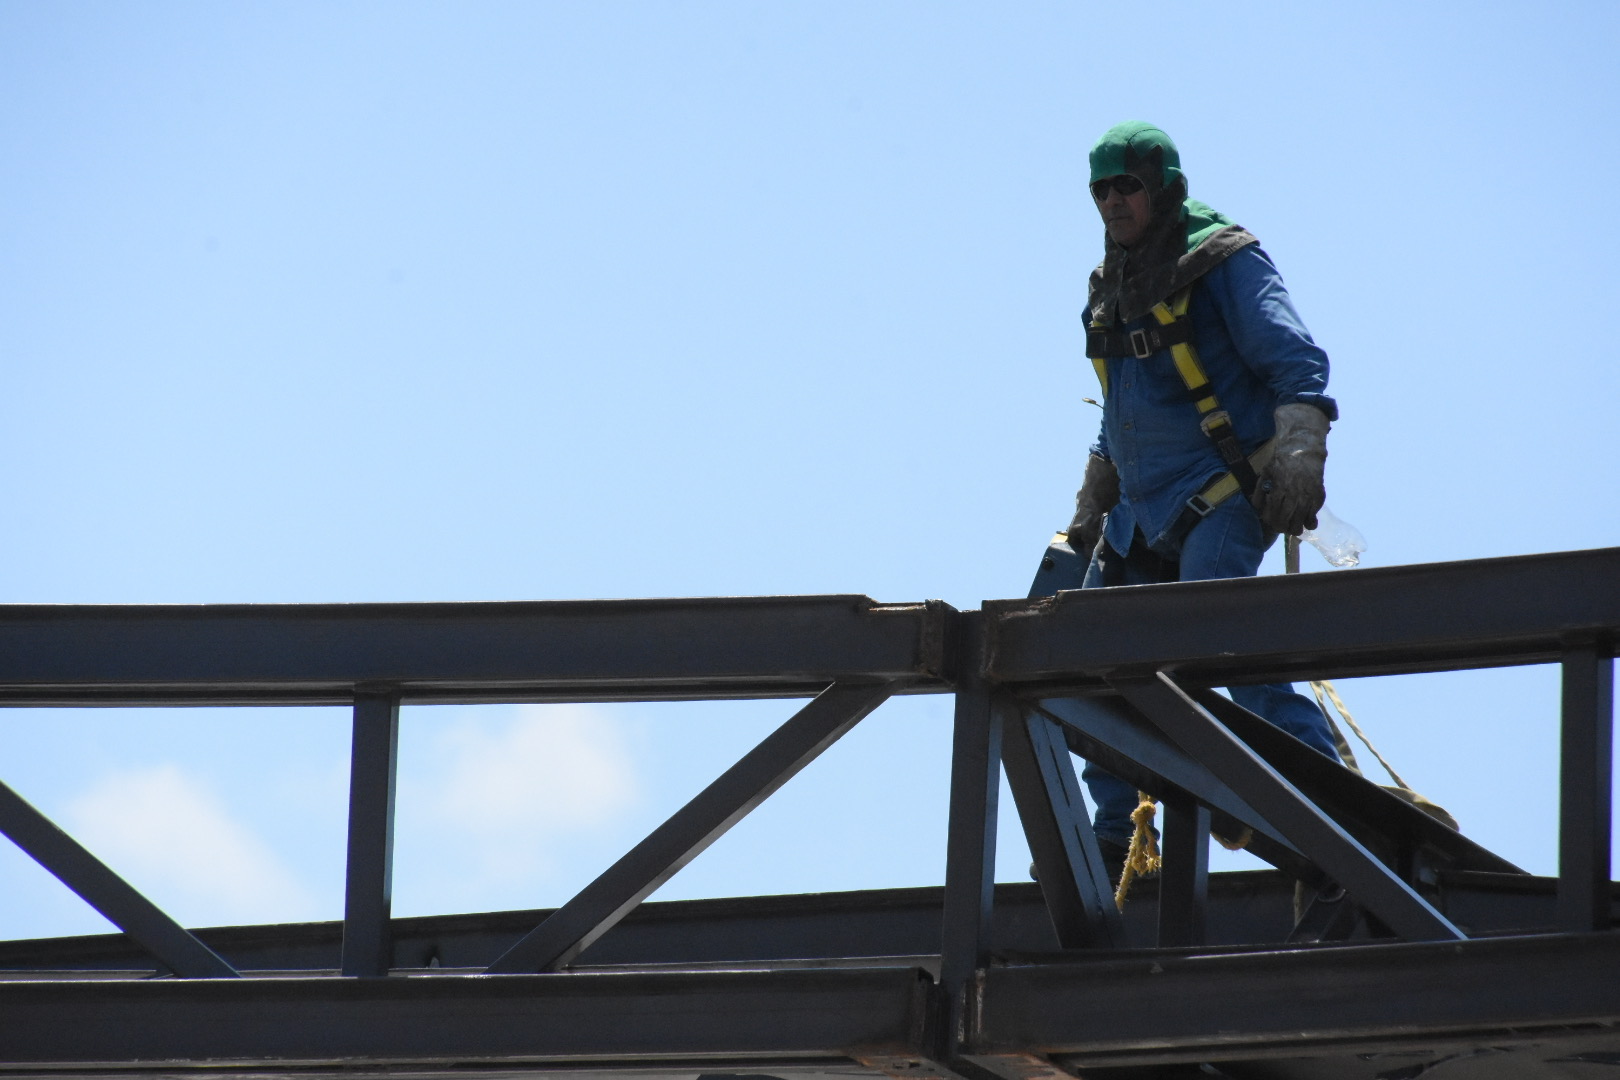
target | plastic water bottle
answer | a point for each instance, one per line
(1340, 542)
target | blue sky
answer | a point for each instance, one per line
(362, 301)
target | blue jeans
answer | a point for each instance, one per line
(1228, 543)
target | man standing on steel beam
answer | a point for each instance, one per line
(1215, 412)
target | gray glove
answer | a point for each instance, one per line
(1098, 493)
(1291, 490)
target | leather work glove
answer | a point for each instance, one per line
(1291, 489)
(1098, 494)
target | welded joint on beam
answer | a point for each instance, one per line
(1012, 1065)
(937, 646)
(1016, 1066)
(915, 1067)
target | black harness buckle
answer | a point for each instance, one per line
(1139, 344)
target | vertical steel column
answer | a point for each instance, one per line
(1184, 878)
(367, 943)
(1585, 796)
(970, 866)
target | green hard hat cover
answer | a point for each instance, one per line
(1138, 148)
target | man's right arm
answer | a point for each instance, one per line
(1098, 494)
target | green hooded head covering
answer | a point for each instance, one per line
(1184, 240)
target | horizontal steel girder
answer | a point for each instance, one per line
(739, 1021)
(1352, 1010)
(531, 651)
(1376, 621)
(1341, 1002)
(1427, 617)
(1245, 909)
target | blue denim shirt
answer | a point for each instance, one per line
(1257, 354)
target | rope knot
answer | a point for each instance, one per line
(1143, 857)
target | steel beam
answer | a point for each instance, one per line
(574, 650)
(1057, 825)
(1429, 617)
(1184, 878)
(688, 1021)
(970, 852)
(1368, 812)
(1339, 1001)
(601, 904)
(1585, 795)
(1245, 908)
(367, 907)
(102, 889)
(1317, 836)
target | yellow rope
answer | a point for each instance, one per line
(1340, 743)
(1325, 689)
(1143, 856)
(1338, 703)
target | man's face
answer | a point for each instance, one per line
(1125, 213)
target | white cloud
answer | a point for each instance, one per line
(512, 780)
(173, 839)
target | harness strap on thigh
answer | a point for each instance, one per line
(1217, 491)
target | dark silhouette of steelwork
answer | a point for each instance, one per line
(1412, 947)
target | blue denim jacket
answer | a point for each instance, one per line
(1257, 354)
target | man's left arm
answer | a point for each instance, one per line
(1268, 333)
(1272, 340)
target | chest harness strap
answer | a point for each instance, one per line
(1174, 330)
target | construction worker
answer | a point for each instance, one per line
(1215, 412)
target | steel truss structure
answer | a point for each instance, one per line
(1405, 949)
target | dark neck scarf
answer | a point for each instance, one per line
(1184, 241)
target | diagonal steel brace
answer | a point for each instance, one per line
(1317, 836)
(597, 908)
(172, 944)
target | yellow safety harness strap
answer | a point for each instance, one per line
(1217, 491)
(1184, 355)
(1216, 422)
(1174, 331)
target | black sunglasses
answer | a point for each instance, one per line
(1124, 183)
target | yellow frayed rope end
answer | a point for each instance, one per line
(1143, 857)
